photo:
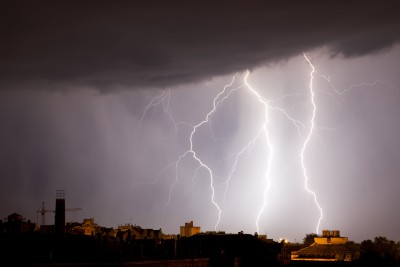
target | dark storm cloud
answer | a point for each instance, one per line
(162, 43)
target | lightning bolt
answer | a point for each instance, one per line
(307, 140)
(161, 100)
(224, 94)
(264, 130)
(313, 126)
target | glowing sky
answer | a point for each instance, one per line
(77, 83)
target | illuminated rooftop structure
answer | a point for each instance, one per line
(189, 230)
(329, 247)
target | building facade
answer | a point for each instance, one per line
(189, 230)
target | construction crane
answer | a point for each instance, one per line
(43, 212)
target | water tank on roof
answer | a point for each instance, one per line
(326, 233)
(336, 233)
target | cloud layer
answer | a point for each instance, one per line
(160, 43)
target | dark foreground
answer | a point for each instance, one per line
(237, 250)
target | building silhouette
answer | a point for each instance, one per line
(330, 247)
(232, 249)
(189, 230)
(59, 220)
(15, 223)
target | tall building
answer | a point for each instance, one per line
(189, 229)
(59, 220)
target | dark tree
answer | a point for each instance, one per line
(309, 239)
(380, 252)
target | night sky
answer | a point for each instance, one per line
(102, 98)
